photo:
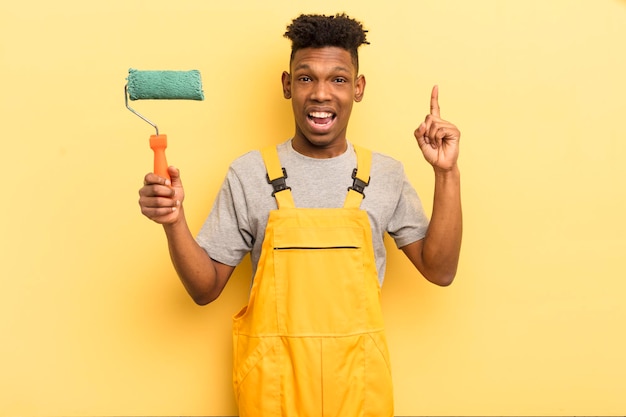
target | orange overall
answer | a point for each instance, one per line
(311, 340)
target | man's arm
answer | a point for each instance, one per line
(161, 201)
(437, 255)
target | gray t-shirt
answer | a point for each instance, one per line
(236, 224)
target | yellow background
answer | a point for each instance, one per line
(92, 316)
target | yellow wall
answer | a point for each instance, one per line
(92, 317)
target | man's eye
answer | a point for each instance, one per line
(340, 80)
(304, 79)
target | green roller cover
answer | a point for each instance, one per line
(164, 85)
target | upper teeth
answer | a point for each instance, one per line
(321, 115)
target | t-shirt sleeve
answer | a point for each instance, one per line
(226, 234)
(409, 223)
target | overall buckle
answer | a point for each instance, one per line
(359, 185)
(279, 184)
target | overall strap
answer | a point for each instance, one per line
(361, 176)
(276, 176)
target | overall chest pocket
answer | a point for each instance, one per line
(320, 280)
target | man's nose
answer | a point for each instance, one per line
(321, 91)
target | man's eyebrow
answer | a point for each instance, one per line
(342, 69)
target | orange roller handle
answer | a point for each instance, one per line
(158, 143)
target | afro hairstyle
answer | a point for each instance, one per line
(318, 31)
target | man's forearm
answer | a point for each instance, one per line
(442, 243)
(193, 265)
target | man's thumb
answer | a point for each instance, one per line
(174, 176)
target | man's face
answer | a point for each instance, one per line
(322, 86)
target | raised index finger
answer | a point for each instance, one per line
(434, 101)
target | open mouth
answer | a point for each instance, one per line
(321, 118)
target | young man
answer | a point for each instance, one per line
(311, 339)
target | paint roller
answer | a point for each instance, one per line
(161, 85)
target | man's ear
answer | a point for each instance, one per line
(359, 88)
(286, 81)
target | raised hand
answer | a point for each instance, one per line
(161, 199)
(437, 138)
